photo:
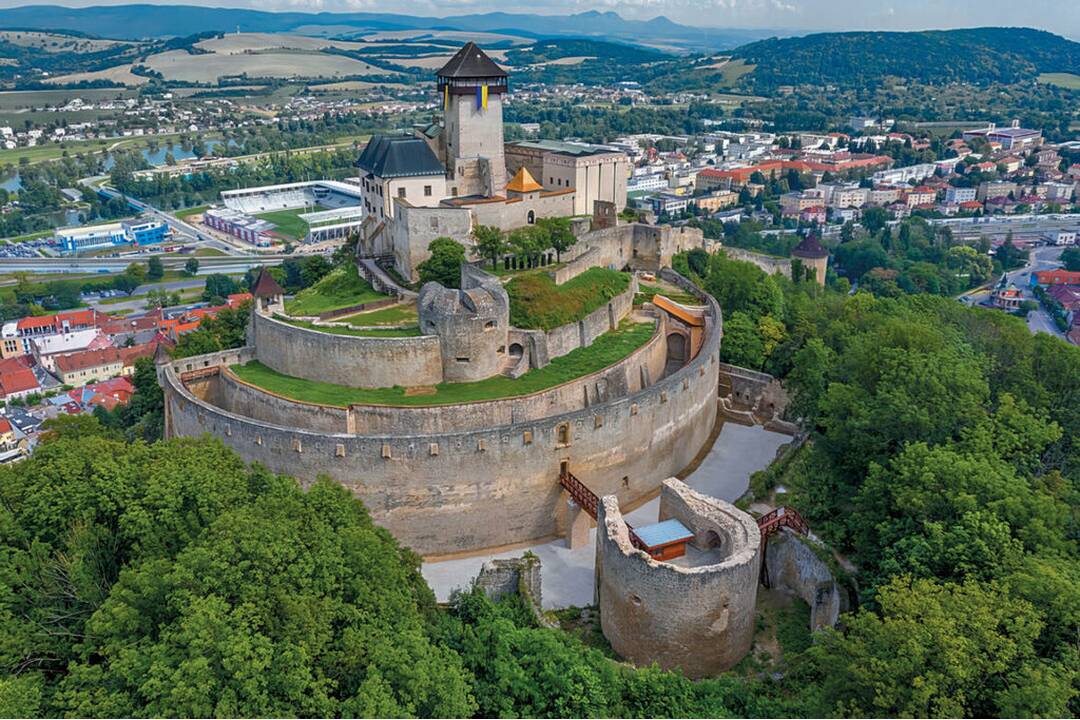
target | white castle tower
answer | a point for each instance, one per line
(472, 86)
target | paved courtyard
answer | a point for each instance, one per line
(568, 575)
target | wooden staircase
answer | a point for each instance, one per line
(587, 500)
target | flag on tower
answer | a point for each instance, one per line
(481, 97)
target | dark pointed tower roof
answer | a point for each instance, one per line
(810, 248)
(266, 286)
(471, 62)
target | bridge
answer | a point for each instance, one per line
(771, 523)
(587, 500)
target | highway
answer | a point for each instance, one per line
(226, 264)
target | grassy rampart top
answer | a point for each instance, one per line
(605, 351)
(537, 303)
(341, 288)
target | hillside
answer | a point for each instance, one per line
(976, 55)
(157, 21)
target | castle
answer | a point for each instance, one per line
(453, 477)
(449, 176)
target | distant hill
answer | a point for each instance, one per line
(157, 21)
(977, 55)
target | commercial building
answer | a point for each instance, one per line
(957, 195)
(239, 225)
(97, 237)
(1010, 138)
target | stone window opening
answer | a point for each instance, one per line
(461, 359)
(562, 435)
(427, 191)
(564, 468)
(626, 481)
(489, 325)
(531, 218)
(401, 192)
(635, 600)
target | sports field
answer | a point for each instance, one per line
(288, 222)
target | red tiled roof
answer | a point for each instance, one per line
(1057, 277)
(87, 359)
(5, 425)
(17, 381)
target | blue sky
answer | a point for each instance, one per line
(1060, 16)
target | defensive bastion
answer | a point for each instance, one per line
(453, 478)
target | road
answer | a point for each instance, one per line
(237, 264)
(1039, 259)
(137, 300)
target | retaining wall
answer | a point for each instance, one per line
(795, 568)
(367, 362)
(567, 338)
(468, 489)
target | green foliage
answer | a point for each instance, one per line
(444, 265)
(218, 288)
(143, 417)
(936, 650)
(537, 302)
(227, 330)
(341, 288)
(191, 267)
(489, 243)
(1070, 256)
(173, 580)
(155, 269)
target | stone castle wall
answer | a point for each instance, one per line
(349, 360)
(771, 265)
(795, 568)
(485, 485)
(698, 620)
(567, 338)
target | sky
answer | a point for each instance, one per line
(1060, 16)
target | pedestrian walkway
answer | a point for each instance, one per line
(567, 575)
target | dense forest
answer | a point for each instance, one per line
(978, 55)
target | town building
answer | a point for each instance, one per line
(97, 237)
(1010, 138)
(399, 167)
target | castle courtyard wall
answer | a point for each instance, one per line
(468, 489)
(354, 361)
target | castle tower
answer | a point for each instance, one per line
(471, 86)
(813, 256)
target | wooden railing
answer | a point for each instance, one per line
(770, 523)
(589, 502)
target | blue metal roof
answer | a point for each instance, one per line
(662, 533)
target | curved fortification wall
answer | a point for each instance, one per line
(696, 618)
(462, 478)
(366, 362)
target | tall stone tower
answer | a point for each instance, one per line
(472, 86)
(813, 256)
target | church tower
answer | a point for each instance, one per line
(472, 86)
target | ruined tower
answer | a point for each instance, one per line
(471, 86)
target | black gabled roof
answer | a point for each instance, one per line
(471, 62)
(401, 156)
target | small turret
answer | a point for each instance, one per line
(269, 295)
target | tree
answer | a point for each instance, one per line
(935, 650)
(560, 237)
(489, 243)
(191, 267)
(219, 287)
(444, 264)
(174, 579)
(874, 219)
(136, 272)
(155, 269)
(125, 283)
(743, 345)
(1071, 258)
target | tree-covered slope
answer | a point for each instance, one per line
(977, 55)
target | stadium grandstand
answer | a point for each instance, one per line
(313, 211)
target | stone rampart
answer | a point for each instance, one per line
(698, 617)
(794, 567)
(567, 338)
(769, 263)
(754, 397)
(468, 489)
(350, 360)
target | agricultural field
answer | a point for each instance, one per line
(120, 73)
(52, 42)
(179, 65)
(1065, 80)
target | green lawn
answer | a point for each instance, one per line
(607, 350)
(393, 315)
(1065, 80)
(536, 302)
(288, 222)
(341, 288)
(29, 236)
(209, 252)
(648, 291)
(413, 331)
(188, 212)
